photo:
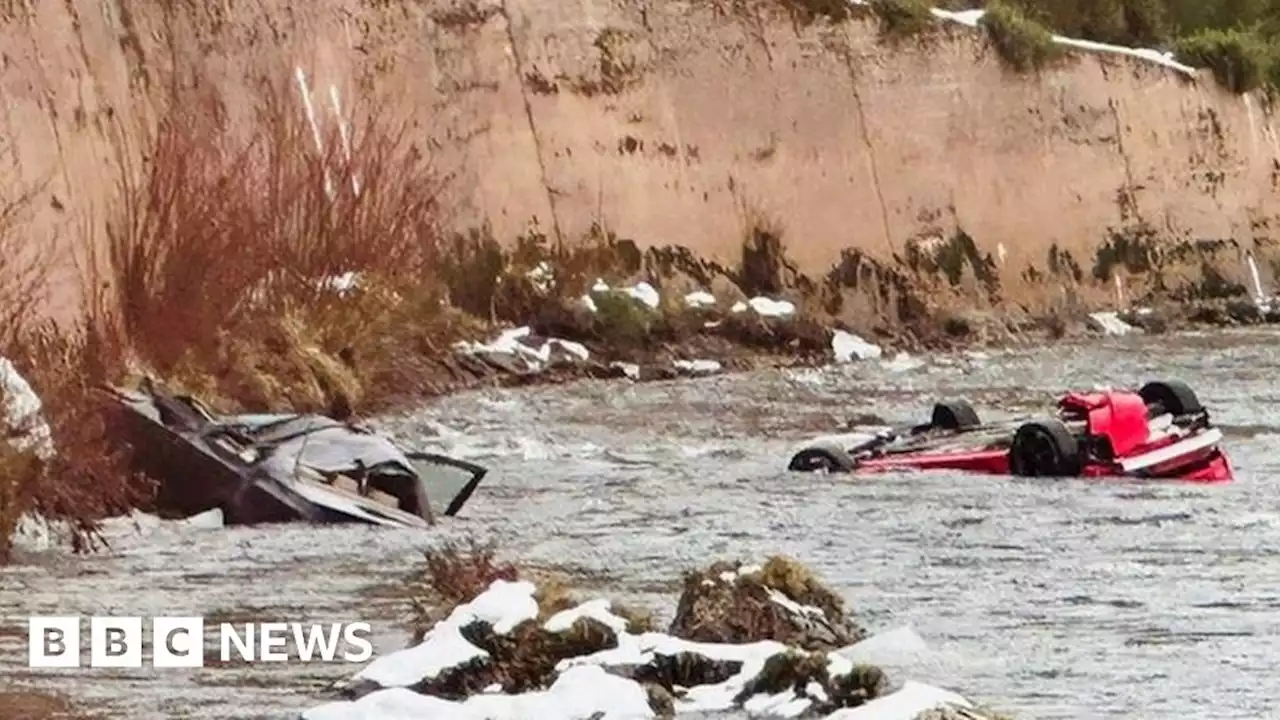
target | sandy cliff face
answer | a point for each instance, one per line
(669, 122)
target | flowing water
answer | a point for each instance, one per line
(1050, 599)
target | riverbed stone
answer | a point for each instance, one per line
(729, 602)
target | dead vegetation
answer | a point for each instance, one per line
(456, 572)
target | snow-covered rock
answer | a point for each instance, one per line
(519, 350)
(1109, 323)
(848, 347)
(21, 412)
(586, 662)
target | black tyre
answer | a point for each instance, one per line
(819, 458)
(954, 415)
(1172, 396)
(1045, 448)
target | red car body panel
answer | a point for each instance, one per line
(1119, 420)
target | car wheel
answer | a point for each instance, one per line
(1044, 448)
(819, 459)
(954, 415)
(1172, 396)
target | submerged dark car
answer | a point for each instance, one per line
(287, 467)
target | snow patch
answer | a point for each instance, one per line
(848, 347)
(504, 605)
(1109, 323)
(646, 294)
(905, 704)
(699, 299)
(342, 284)
(642, 292)
(767, 307)
(585, 689)
(577, 694)
(599, 610)
(542, 277)
(23, 422)
(971, 18)
(698, 367)
(513, 343)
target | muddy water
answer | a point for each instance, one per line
(1052, 599)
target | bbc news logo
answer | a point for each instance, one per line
(179, 642)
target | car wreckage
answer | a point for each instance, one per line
(285, 467)
(1158, 432)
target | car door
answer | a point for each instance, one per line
(448, 482)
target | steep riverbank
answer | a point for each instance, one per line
(671, 124)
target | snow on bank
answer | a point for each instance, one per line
(535, 353)
(23, 418)
(766, 307)
(848, 347)
(584, 687)
(1109, 323)
(971, 18)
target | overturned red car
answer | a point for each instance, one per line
(1158, 432)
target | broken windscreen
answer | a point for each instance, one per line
(447, 482)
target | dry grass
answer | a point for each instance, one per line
(221, 256)
(457, 572)
(85, 480)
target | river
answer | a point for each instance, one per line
(1049, 599)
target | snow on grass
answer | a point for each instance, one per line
(792, 606)
(905, 704)
(599, 610)
(577, 694)
(641, 292)
(504, 605)
(584, 688)
(971, 18)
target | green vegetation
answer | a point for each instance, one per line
(1238, 39)
(1241, 60)
(1022, 42)
(903, 18)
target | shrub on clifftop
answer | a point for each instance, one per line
(903, 18)
(1020, 41)
(1241, 60)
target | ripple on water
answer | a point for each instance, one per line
(1063, 599)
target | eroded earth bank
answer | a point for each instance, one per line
(898, 164)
